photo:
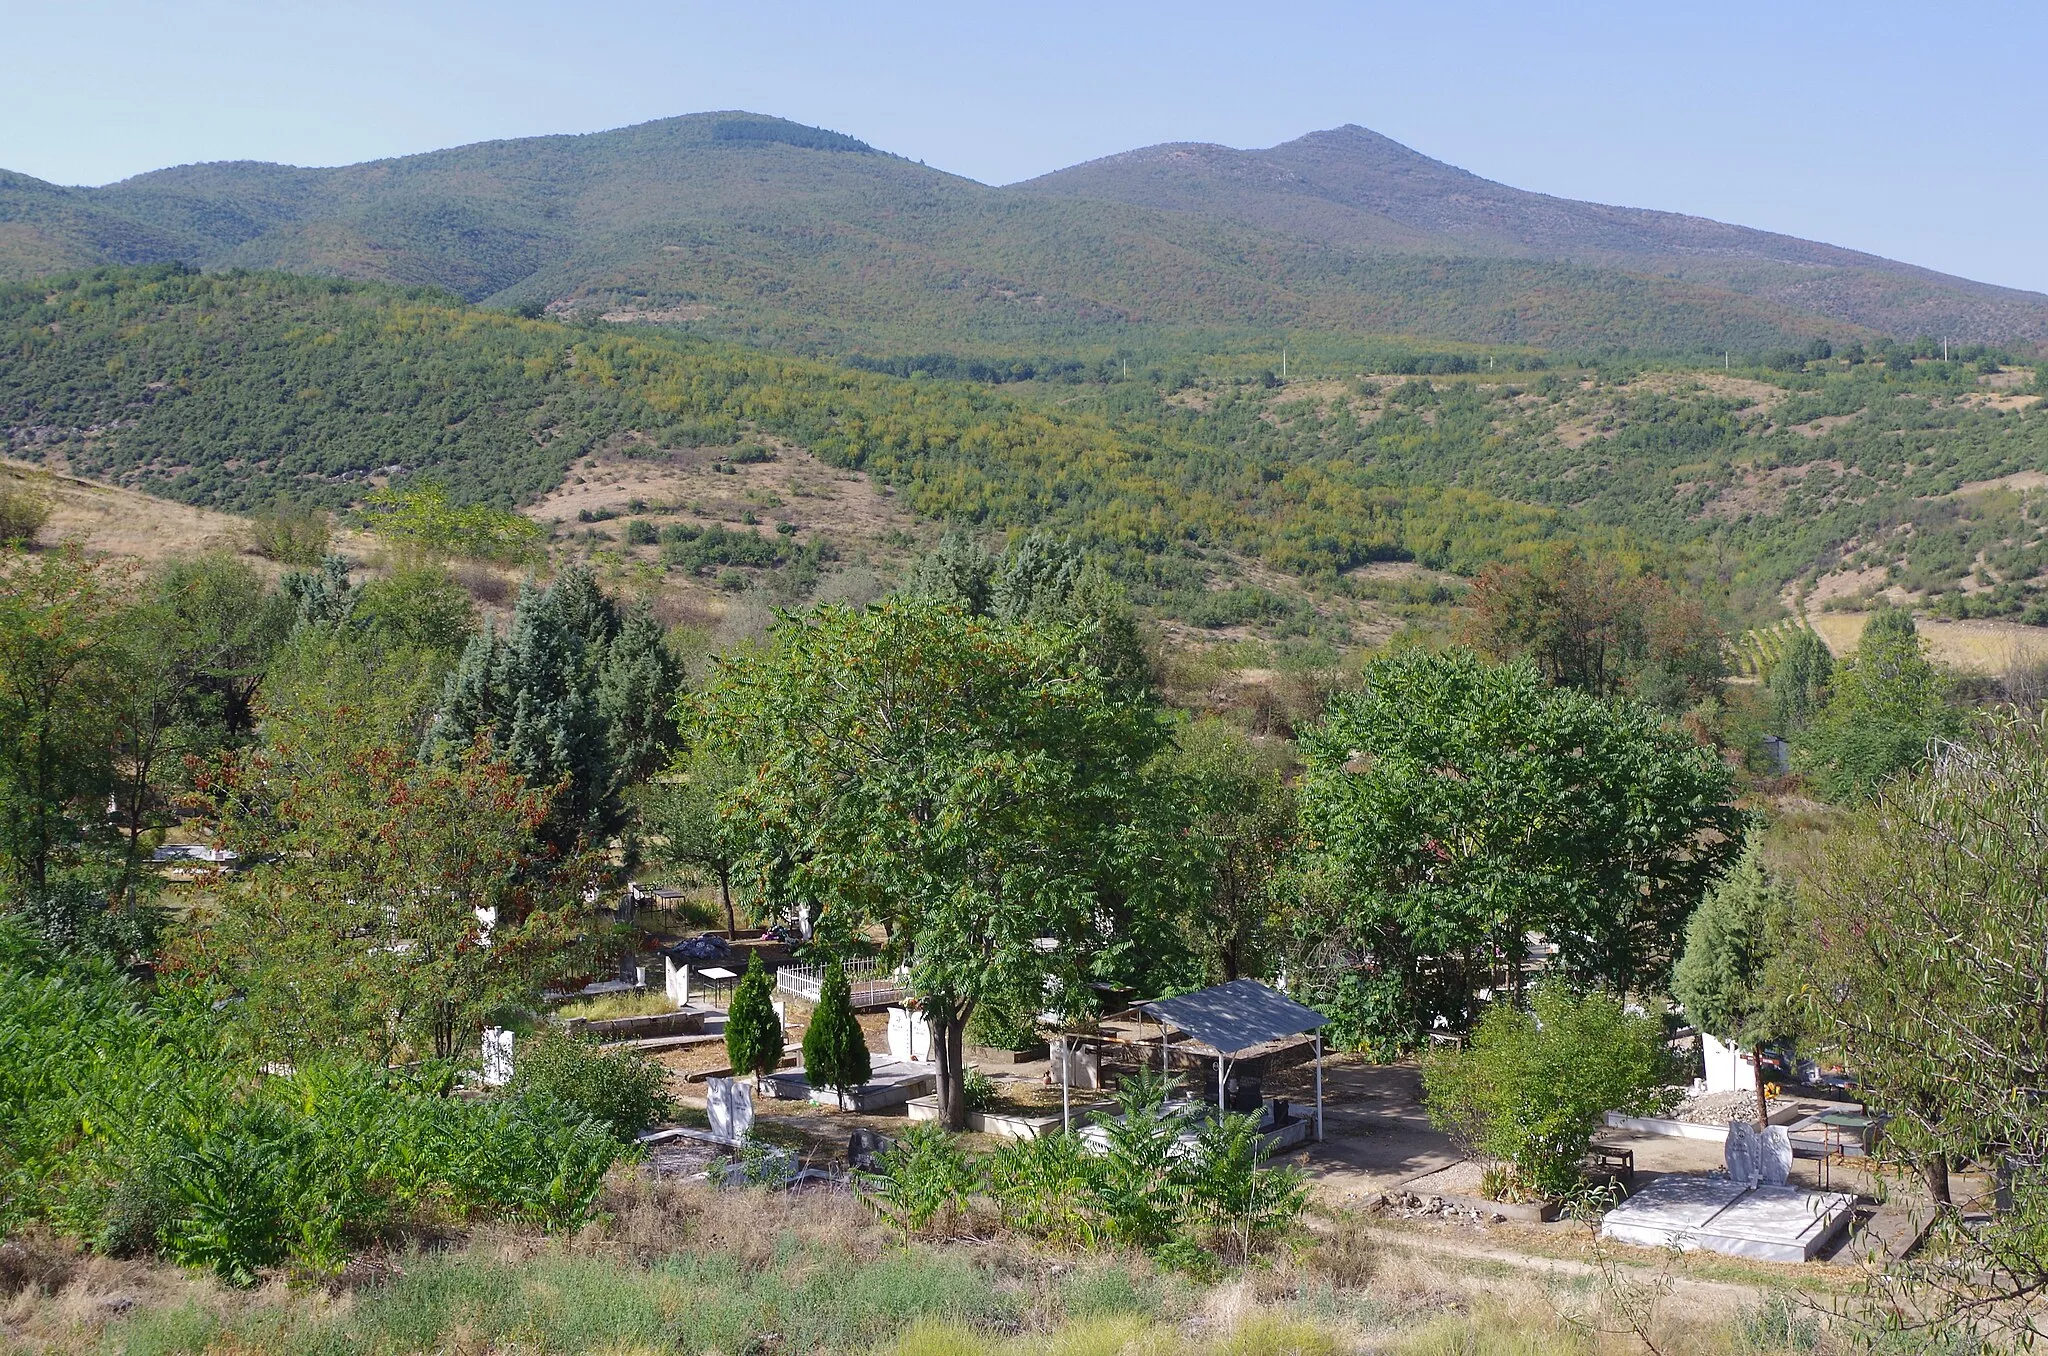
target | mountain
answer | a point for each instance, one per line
(1353, 188)
(752, 228)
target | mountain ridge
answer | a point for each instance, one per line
(771, 231)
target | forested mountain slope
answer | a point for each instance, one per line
(751, 228)
(1352, 187)
(1847, 477)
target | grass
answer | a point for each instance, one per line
(1980, 646)
(681, 1268)
(607, 1006)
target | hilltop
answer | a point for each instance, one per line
(1351, 187)
(759, 230)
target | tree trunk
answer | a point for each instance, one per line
(949, 1037)
(732, 926)
(1935, 1169)
(1763, 1105)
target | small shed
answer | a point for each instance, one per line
(1243, 1017)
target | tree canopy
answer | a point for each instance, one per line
(976, 788)
(1460, 806)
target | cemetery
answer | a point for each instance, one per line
(1700, 1175)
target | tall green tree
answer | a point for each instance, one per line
(1043, 580)
(1244, 826)
(1461, 806)
(1923, 964)
(571, 696)
(979, 790)
(686, 812)
(192, 654)
(1799, 681)
(1724, 980)
(61, 620)
(1887, 706)
(835, 1050)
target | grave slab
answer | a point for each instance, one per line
(891, 1083)
(1769, 1223)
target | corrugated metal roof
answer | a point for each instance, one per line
(1234, 1017)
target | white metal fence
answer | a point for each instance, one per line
(872, 986)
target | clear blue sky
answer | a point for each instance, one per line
(1915, 130)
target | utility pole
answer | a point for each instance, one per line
(1283, 362)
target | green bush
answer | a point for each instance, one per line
(22, 515)
(753, 1033)
(835, 1049)
(291, 534)
(620, 1089)
(164, 1140)
(1041, 1188)
(1535, 1083)
(924, 1179)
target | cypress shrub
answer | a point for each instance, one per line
(835, 1051)
(753, 1033)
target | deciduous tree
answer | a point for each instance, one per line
(978, 789)
(1459, 806)
(1887, 704)
(391, 902)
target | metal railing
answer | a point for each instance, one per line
(871, 985)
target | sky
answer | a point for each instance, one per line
(1913, 130)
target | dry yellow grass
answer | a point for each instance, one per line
(1977, 646)
(116, 522)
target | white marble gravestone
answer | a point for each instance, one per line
(910, 1036)
(1776, 1143)
(730, 1105)
(1744, 1154)
(497, 1057)
(1076, 1062)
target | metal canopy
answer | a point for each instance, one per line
(1238, 1016)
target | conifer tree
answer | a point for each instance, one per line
(835, 1051)
(573, 695)
(636, 691)
(753, 1033)
(1721, 978)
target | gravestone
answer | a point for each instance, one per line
(678, 981)
(730, 1106)
(1776, 1141)
(1744, 1154)
(1076, 1061)
(497, 1057)
(910, 1037)
(864, 1150)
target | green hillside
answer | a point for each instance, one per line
(1353, 188)
(741, 227)
(231, 390)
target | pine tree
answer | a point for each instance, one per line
(753, 1033)
(835, 1051)
(574, 694)
(636, 691)
(1721, 979)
